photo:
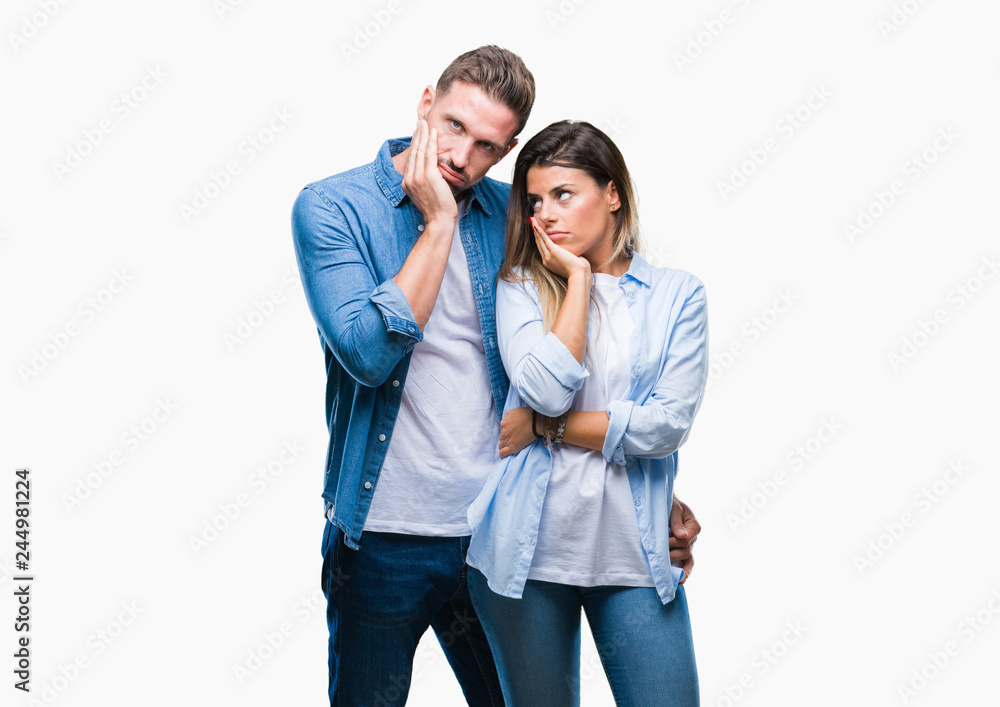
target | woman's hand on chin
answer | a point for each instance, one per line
(557, 259)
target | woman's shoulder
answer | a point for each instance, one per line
(516, 289)
(671, 281)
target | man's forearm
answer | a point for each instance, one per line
(421, 275)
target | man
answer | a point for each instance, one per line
(399, 261)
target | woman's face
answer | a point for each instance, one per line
(569, 206)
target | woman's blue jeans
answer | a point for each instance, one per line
(645, 646)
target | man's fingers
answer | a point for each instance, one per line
(430, 158)
(420, 148)
(411, 159)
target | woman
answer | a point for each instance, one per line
(607, 358)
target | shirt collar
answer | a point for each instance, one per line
(391, 181)
(640, 270)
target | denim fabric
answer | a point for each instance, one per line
(380, 601)
(668, 354)
(645, 646)
(352, 232)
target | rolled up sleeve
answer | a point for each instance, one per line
(540, 367)
(658, 426)
(368, 326)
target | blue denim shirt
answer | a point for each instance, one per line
(352, 232)
(668, 353)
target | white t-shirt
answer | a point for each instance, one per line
(444, 443)
(588, 534)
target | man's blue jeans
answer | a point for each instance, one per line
(381, 599)
(645, 646)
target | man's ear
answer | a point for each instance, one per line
(507, 149)
(425, 102)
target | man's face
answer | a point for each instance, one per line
(474, 132)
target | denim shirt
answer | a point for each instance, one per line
(668, 354)
(352, 233)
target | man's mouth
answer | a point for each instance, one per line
(450, 175)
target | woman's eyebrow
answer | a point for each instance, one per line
(558, 187)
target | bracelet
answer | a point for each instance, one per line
(534, 421)
(562, 428)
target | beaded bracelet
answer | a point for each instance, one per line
(561, 430)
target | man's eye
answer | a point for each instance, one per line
(455, 124)
(487, 147)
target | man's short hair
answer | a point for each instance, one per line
(499, 73)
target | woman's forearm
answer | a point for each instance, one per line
(583, 429)
(573, 317)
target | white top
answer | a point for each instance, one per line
(444, 443)
(588, 534)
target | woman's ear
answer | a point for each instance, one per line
(614, 203)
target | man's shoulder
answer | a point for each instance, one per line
(360, 178)
(493, 193)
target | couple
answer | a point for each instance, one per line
(455, 311)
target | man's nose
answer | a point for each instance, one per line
(460, 153)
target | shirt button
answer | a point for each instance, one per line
(638, 503)
(480, 289)
(420, 227)
(368, 486)
(381, 438)
(395, 384)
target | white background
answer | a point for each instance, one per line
(98, 544)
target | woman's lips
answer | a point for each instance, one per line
(556, 235)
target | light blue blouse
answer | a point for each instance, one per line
(668, 354)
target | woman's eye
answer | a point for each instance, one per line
(534, 204)
(563, 195)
